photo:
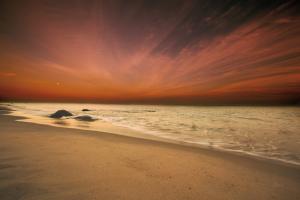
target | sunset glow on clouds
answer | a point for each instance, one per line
(168, 51)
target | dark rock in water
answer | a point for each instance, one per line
(60, 114)
(85, 118)
(85, 110)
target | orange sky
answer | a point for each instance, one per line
(170, 51)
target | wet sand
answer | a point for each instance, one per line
(45, 162)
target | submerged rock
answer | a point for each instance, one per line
(85, 118)
(150, 111)
(61, 113)
(85, 109)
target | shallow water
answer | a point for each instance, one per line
(270, 132)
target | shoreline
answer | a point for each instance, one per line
(64, 163)
(145, 136)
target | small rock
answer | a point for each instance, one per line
(86, 118)
(85, 110)
(61, 113)
(194, 127)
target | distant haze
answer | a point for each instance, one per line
(166, 51)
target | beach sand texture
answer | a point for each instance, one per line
(43, 162)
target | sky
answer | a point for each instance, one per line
(159, 51)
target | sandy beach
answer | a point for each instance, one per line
(44, 162)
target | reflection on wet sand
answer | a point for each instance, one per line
(83, 124)
(61, 122)
(64, 122)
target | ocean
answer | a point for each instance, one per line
(265, 132)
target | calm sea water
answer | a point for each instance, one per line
(270, 132)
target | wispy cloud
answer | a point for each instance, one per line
(7, 74)
(143, 50)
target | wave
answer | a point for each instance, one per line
(253, 131)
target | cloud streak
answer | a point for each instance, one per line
(170, 51)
